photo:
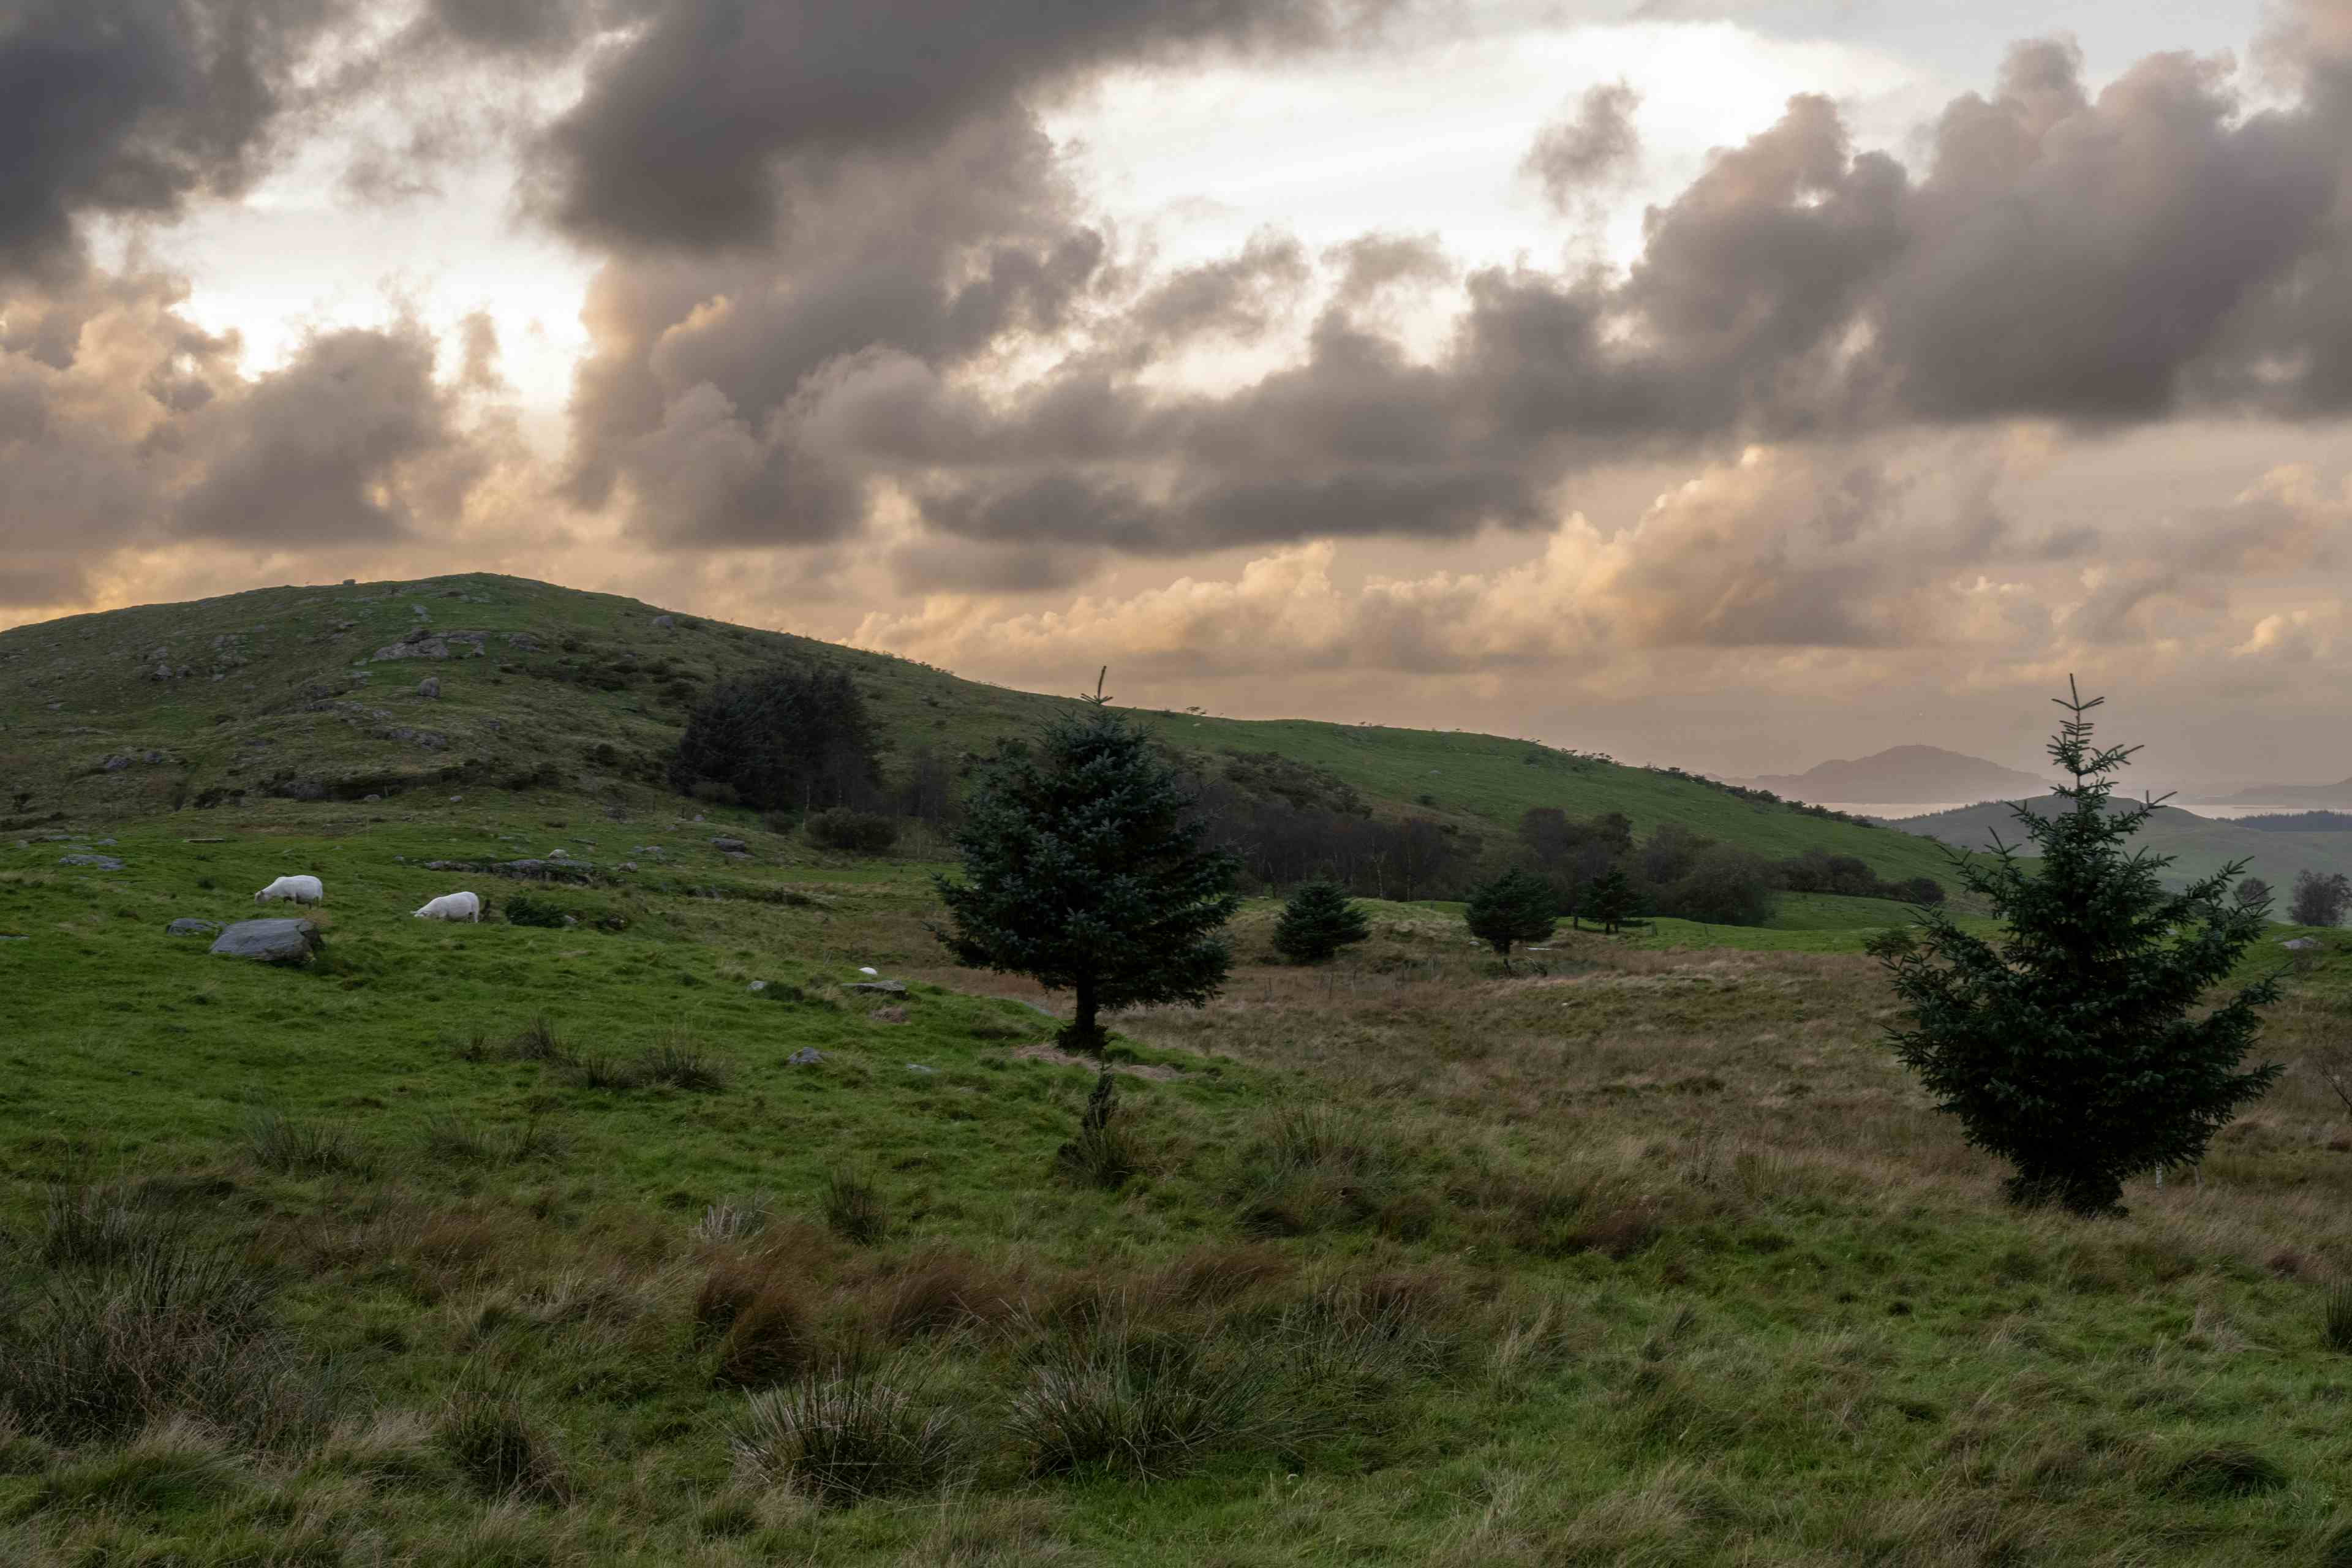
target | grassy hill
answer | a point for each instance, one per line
(313, 693)
(2199, 846)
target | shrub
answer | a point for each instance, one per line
(865, 832)
(681, 1063)
(767, 1339)
(1103, 1154)
(854, 1206)
(91, 1227)
(523, 910)
(1112, 1396)
(537, 1041)
(844, 1435)
(278, 1142)
(1516, 907)
(492, 1439)
(165, 1326)
(2319, 900)
(2078, 1045)
(1317, 921)
(785, 738)
(2336, 1318)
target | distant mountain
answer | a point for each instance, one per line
(2289, 794)
(2199, 845)
(1906, 775)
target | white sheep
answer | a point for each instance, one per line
(302, 889)
(453, 907)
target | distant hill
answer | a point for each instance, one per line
(315, 694)
(2200, 845)
(2323, 795)
(1905, 776)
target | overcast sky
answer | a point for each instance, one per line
(1730, 384)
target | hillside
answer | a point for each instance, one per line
(2320, 795)
(312, 694)
(2200, 845)
(1903, 775)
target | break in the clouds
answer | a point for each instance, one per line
(864, 321)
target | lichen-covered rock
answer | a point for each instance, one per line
(95, 862)
(187, 926)
(268, 941)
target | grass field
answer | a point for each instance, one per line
(489, 1245)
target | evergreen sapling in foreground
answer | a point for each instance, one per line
(1515, 907)
(1087, 872)
(2072, 1045)
(1317, 921)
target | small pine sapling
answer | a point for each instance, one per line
(1516, 907)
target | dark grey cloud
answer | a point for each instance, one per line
(1237, 297)
(1596, 147)
(352, 442)
(1371, 266)
(133, 107)
(511, 26)
(684, 137)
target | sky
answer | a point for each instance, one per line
(1733, 385)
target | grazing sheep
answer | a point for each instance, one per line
(302, 889)
(453, 907)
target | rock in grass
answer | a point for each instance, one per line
(757, 985)
(268, 941)
(879, 987)
(807, 1056)
(2300, 943)
(728, 846)
(97, 862)
(187, 926)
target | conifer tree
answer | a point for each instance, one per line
(1515, 907)
(2073, 1046)
(1610, 904)
(1317, 921)
(1087, 872)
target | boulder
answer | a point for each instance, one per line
(757, 985)
(879, 987)
(664, 621)
(429, 687)
(268, 941)
(116, 763)
(2300, 943)
(728, 846)
(95, 862)
(807, 1056)
(187, 926)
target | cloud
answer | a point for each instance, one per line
(1599, 147)
(132, 107)
(685, 136)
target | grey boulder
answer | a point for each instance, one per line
(879, 987)
(190, 927)
(807, 1056)
(2300, 943)
(728, 846)
(97, 862)
(268, 941)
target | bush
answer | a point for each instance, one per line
(842, 1437)
(1112, 1396)
(681, 1063)
(2319, 900)
(494, 1442)
(1102, 1154)
(1317, 921)
(784, 738)
(854, 1206)
(523, 910)
(865, 832)
(164, 1327)
(1515, 907)
(278, 1142)
(767, 1337)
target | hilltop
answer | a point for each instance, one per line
(312, 694)
(1905, 776)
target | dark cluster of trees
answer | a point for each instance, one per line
(783, 740)
(1686, 875)
(2319, 899)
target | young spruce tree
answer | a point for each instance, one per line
(1609, 902)
(1517, 906)
(2073, 1047)
(1087, 873)
(1317, 921)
